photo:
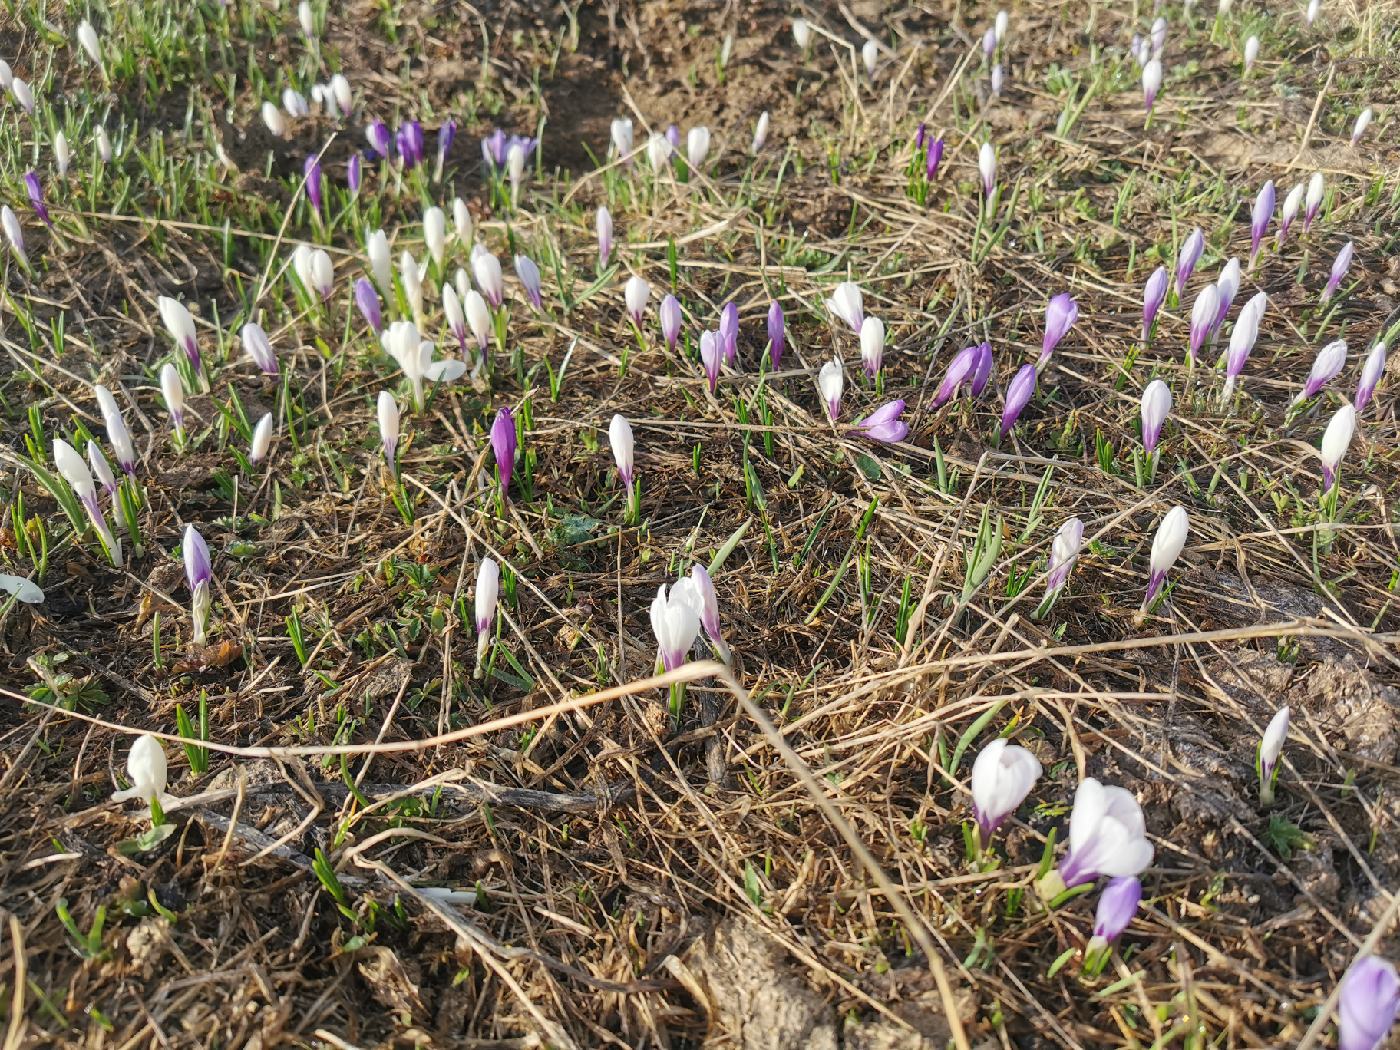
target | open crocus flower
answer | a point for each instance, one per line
(367, 301)
(145, 768)
(1188, 257)
(1166, 548)
(884, 425)
(529, 275)
(1336, 439)
(831, 381)
(960, 370)
(1107, 836)
(1018, 395)
(1340, 265)
(199, 574)
(1367, 1004)
(1291, 204)
(1312, 201)
(729, 332)
(504, 446)
(711, 355)
(1328, 363)
(1203, 316)
(1260, 217)
(872, 345)
(987, 168)
(1060, 314)
(669, 315)
(173, 390)
(1154, 294)
(698, 591)
(387, 410)
(846, 303)
(1270, 747)
(117, 433)
(79, 478)
(486, 271)
(675, 624)
(1371, 373)
(1002, 777)
(603, 225)
(258, 346)
(777, 335)
(180, 324)
(1156, 406)
(1151, 83)
(414, 355)
(488, 589)
(1242, 339)
(1118, 903)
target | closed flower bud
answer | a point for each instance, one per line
(1188, 257)
(1312, 201)
(831, 381)
(1151, 83)
(388, 413)
(503, 445)
(258, 347)
(1118, 903)
(1371, 373)
(1251, 53)
(1166, 548)
(14, 233)
(488, 589)
(1156, 406)
(1060, 314)
(117, 433)
(1018, 395)
(174, 393)
(1336, 439)
(1326, 366)
(367, 301)
(872, 345)
(1064, 552)
(697, 147)
(621, 136)
(199, 574)
(262, 439)
(669, 316)
(180, 324)
(1340, 265)
(711, 356)
(635, 295)
(777, 335)
(380, 260)
(529, 275)
(1363, 121)
(486, 270)
(1154, 294)
(846, 304)
(1260, 217)
(1203, 316)
(87, 40)
(760, 133)
(1367, 1004)
(987, 167)
(435, 233)
(620, 437)
(884, 425)
(145, 768)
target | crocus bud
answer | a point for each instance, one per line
(312, 169)
(801, 33)
(101, 469)
(981, 369)
(1242, 339)
(35, 189)
(1340, 265)
(258, 346)
(698, 591)
(659, 150)
(1312, 202)
(697, 147)
(7, 76)
(314, 269)
(1251, 52)
(174, 393)
(14, 233)
(145, 768)
(675, 624)
(446, 133)
(621, 136)
(831, 381)
(262, 439)
(478, 317)
(1314, 8)
(1335, 441)
(620, 437)
(1371, 373)
(62, 155)
(669, 314)
(380, 139)
(344, 97)
(729, 332)
(488, 589)
(1107, 836)
(294, 102)
(517, 153)
(199, 574)
(1018, 395)
(884, 425)
(1260, 217)
(486, 269)
(1270, 747)
(503, 444)
(711, 354)
(1363, 121)
(388, 412)
(635, 295)
(760, 133)
(1227, 286)
(367, 300)
(1000, 24)
(180, 324)
(1060, 314)
(529, 275)
(462, 222)
(1154, 294)
(1156, 406)
(872, 345)
(87, 40)
(997, 79)
(117, 433)
(380, 264)
(353, 177)
(1151, 83)
(305, 17)
(1328, 363)
(1166, 548)
(987, 168)
(777, 335)
(932, 158)
(1203, 318)
(75, 472)
(1118, 903)
(1064, 552)
(435, 233)
(870, 56)
(410, 141)
(989, 42)
(274, 120)
(846, 303)
(1188, 257)
(452, 314)
(1366, 1004)
(1002, 777)
(960, 369)
(1291, 204)
(24, 94)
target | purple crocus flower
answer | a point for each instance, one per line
(729, 332)
(1118, 903)
(1154, 294)
(711, 354)
(982, 369)
(1326, 366)
(1367, 1003)
(920, 135)
(1339, 270)
(352, 173)
(503, 444)
(1371, 373)
(669, 314)
(1018, 395)
(933, 158)
(529, 275)
(199, 574)
(380, 139)
(777, 334)
(1107, 836)
(410, 140)
(673, 136)
(1188, 257)
(884, 425)
(963, 365)
(36, 196)
(367, 299)
(493, 149)
(1060, 314)
(1203, 318)
(446, 133)
(312, 168)
(1156, 406)
(1260, 218)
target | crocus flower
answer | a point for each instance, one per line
(1154, 294)
(1151, 83)
(503, 444)
(870, 56)
(760, 133)
(145, 768)
(729, 332)
(104, 144)
(669, 314)
(1188, 257)
(1328, 363)
(1340, 265)
(410, 142)
(1158, 35)
(1270, 747)
(1371, 373)
(435, 233)
(274, 120)
(620, 437)
(7, 75)
(452, 314)
(884, 425)
(36, 196)
(117, 433)
(101, 469)
(79, 478)
(1262, 214)
(367, 299)
(933, 158)
(340, 91)
(604, 226)
(353, 177)
(777, 334)
(987, 167)
(258, 346)
(711, 354)
(1312, 202)
(478, 316)
(486, 269)
(488, 589)
(312, 170)
(1291, 204)
(380, 139)
(1018, 395)
(446, 133)
(1064, 552)
(414, 354)
(1156, 406)
(462, 221)
(1227, 286)
(1242, 339)
(14, 233)
(199, 574)
(1363, 121)
(659, 151)
(960, 369)
(1203, 318)
(801, 33)
(388, 412)
(846, 303)
(998, 77)
(698, 591)
(306, 18)
(493, 149)
(380, 260)
(1314, 8)
(529, 275)
(697, 147)
(675, 625)
(1002, 777)
(174, 393)
(1060, 314)
(1000, 24)
(621, 131)
(24, 94)
(981, 369)
(180, 324)
(62, 155)
(831, 381)
(1118, 903)
(262, 439)
(1166, 548)
(1107, 836)
(1367, 1003)
(635, 295)
(872, 345)
(1251, 52)
(989, 42)
(294, 102)
(1335, 441)
(87, 40)
(314, 270)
